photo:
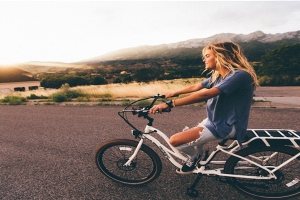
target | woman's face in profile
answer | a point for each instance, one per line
(209, 60)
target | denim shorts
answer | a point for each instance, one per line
(206, 134)
(196, 147)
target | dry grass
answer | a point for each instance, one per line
(137, 90)
(39, 92)
(131, 90)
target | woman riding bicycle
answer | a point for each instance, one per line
(229, 94)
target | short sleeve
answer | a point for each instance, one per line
(206, 83)
(235, 81)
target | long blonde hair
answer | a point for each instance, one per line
(230, 56)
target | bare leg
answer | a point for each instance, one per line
(185, 136)
(191, 142)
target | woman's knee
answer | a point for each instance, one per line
(185, 137)
(174, 141)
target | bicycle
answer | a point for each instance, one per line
(267, 167)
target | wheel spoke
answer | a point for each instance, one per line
(285, 184)
(111, 157)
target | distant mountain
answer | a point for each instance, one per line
(181, 54)
(42, 67)
(12, 74)
(254, 45)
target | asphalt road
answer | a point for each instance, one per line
(47, 152)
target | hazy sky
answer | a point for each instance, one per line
(70, 31)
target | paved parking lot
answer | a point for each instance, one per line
(47, 152)
(277, 97)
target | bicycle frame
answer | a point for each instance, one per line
(167, 152)
(170, 152)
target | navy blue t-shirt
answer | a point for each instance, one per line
(232, 106)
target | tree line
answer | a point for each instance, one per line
(278, 67)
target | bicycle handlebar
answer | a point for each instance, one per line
(142, 111)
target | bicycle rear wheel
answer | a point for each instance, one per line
(287, 183)
(111, 157)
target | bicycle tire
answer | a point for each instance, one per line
(286, 185)
(111, 157)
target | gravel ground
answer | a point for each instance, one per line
(47, 152)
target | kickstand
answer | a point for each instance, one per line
(192, 192)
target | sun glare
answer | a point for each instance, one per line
(4, 66)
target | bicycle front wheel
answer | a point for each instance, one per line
(287, 183)
(144, 168)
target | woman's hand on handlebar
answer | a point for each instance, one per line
(158, 108)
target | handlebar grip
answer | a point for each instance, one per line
(159, 96)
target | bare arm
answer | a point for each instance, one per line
(199, 96)
(196, 97)
(189, 89)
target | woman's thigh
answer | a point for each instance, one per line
(186, 136)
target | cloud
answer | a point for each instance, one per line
(266, 16)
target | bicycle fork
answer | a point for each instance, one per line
(128, 163)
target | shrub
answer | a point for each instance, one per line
(264, 80)
(71, 94)
(127, 79)
(13, 100)
(117, 80)
(125, 102)
(59, 97)
(83, 99)
(98, 80)
(105, 97)
(283, 80)
(65, 94)
(34, 96)
(297, 80)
